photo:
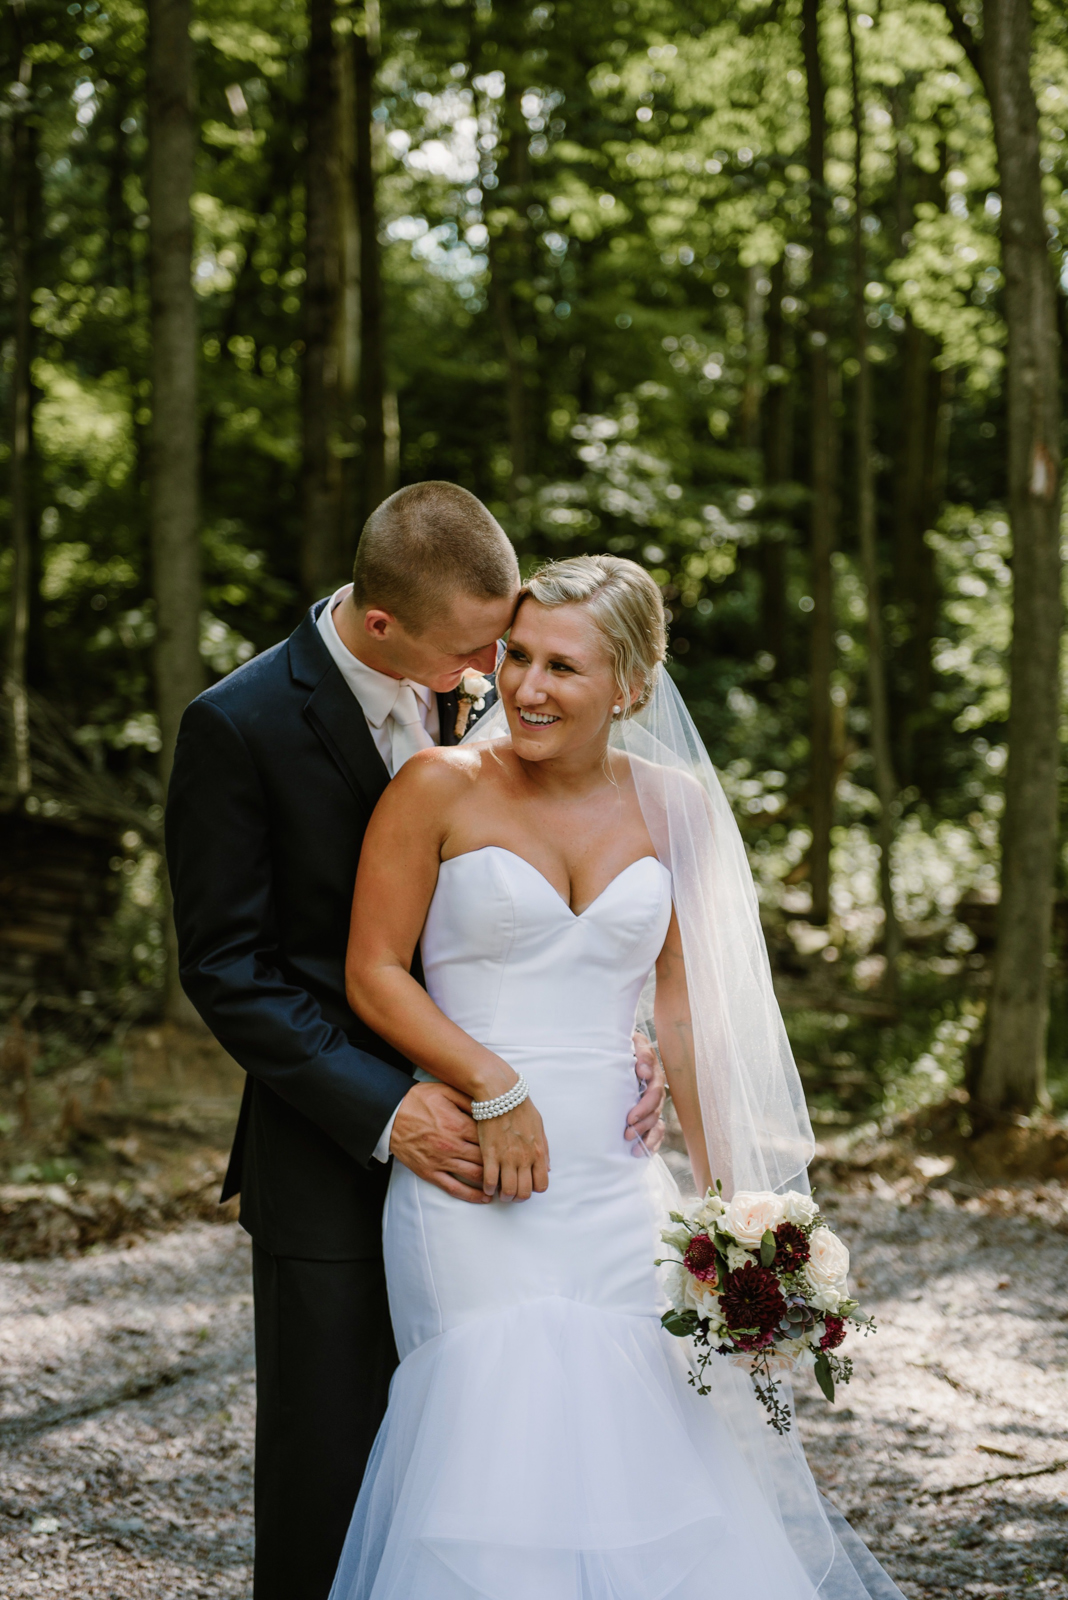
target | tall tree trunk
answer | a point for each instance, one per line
(119, 264)
(332, 299)
(923, 739)
(821, 735)
(937, 410)
(922, 445)
(506, 190)
(508, 262)
(321, 563)
(374, 405)
(515, 372)
(1012, 1075)
(391, 426)
(755, 341)
(23, 168)
(882, 759)
(345, 332)
(919, 476)
(777, 448)
(173, 512)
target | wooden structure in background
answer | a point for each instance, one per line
(59, 888)
(58, 893)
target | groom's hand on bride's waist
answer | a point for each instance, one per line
(435, 1136)
(645, 1120)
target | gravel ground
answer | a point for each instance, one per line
(965, 1381)
(126, 1409)
(126, 1418)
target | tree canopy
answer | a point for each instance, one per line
(600, 291)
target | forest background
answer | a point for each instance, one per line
(766, 296)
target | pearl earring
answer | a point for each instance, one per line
(616, 710)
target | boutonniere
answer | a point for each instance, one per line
(472, 689)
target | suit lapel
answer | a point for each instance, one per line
(448, 706)
(335, 714)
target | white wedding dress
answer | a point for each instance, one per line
(541, 1441)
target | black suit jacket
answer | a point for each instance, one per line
(275, 777)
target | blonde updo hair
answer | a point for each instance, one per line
(627, 607)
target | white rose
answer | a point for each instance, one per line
(798, 1208)
(738, 1256)
(825, 1300)
(474, 686)
(749, 1216)
(828, 1264)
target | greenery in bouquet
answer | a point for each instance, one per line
(762, 1280)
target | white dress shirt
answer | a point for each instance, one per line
(376, 693)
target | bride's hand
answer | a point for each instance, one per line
(515, 1154)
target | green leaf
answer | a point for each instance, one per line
(823, 1375)
(767, 1248)
(680, 1323)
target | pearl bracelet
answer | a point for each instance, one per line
(484, 1110)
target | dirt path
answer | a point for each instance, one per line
(126, 1411)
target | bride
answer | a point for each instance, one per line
(541, 1441)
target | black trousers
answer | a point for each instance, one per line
(324, 1358)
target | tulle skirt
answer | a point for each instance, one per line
(556, 1452)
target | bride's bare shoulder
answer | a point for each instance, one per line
(443, 773)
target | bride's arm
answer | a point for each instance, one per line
(674, 1035)
(397, 875)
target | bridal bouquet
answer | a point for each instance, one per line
(763, 1280)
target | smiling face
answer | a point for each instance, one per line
(557, 682)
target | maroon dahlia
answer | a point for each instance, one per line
(753, 1299)
(836, 1332)
(791, 1247)
(700, 1259)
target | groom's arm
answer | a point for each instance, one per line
(219, 860)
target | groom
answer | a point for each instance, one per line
(276, 772)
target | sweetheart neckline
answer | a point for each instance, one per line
(576, 915)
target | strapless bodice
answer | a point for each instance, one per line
(508, 960)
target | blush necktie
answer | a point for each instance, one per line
(406, 731)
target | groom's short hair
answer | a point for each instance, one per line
(423, 545)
